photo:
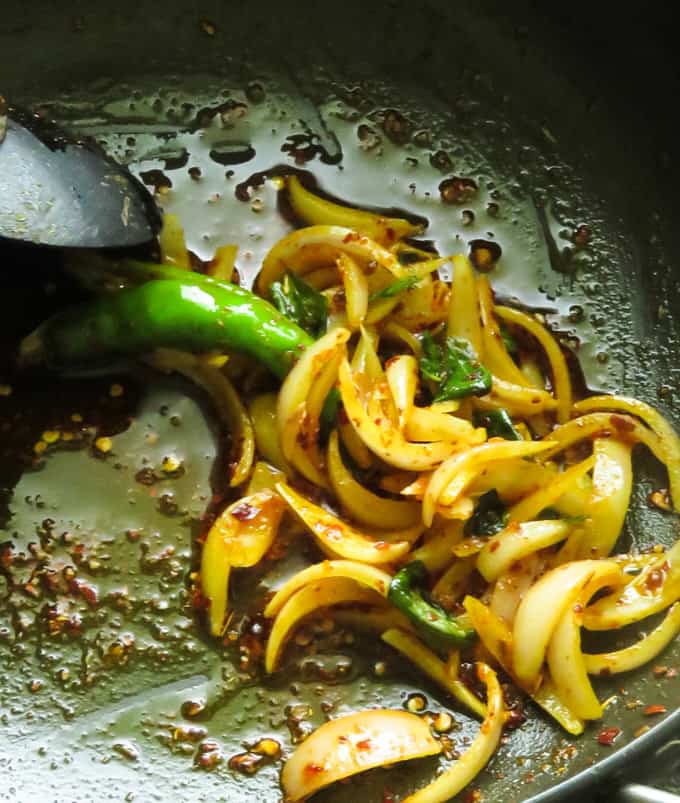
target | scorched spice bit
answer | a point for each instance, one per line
(607, 736)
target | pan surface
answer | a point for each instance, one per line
(110, 689)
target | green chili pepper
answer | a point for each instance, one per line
(490, 516)
(197, 316)
(302, 303)
(497, 423)
(438, 628)
(453, 368)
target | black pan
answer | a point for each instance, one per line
(560, 118)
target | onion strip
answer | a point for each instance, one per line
(367, 576)
(665, 433)
(361, 504)
(497, 638)
(411, 647)
(322, 240)
(384, 439)
(344, 541)
(640, 653)
(459, 471)
(518, 541)
(473, 760)
(310, 599)
(463, 320)
(558, 363)
(544, 497)
(543, 606)
(355, 743)
(641, 597)
(315, 210)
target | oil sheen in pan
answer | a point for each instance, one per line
(197, 713)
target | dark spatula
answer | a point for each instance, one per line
(58, 190)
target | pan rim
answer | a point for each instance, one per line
(640, 748)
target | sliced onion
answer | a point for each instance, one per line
(611, 489)
(510, 587)
(496, 636)
(518, 541)
(665, 433)
(512, 478)
(464, 319)
(300, 401)
(396, 332)
(600, 425)
(424, 424)
(436, 553)
(653, 590)
(172, 243)
(451, 585)
(228, 405)
(543, 606)
(519, 400)
(344, 541)
(315, 246)
(402, 377)
(496, 357)
(356, 290)
(315, 210)
(473, 760)
(546, 496)
(356, 448)
(308, 600)
(222, 265)
(410, 646)
(558, 363)
(640, 653)
(355, 743)
(568, 669)
(262, 411)
(367, 576)
(383, 439)
(240, 537)
(459, 471)
(361, 504)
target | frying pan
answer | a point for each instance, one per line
(561, 119)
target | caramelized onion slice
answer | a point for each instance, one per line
(348, 745)
(473, 760)
(338, 538)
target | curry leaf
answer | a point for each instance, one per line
(302, 303)
(400, 286)
(490, 516)
(453, 368)
(497, 423)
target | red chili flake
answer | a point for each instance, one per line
(364, 744)
(494, 545)
(607, 736)
(660, 671)
(381, 545)
(622, 423)
(312, 769)
(656, 577)
(245, 512)
(581, 237)
(653, 710)
(87, 591)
